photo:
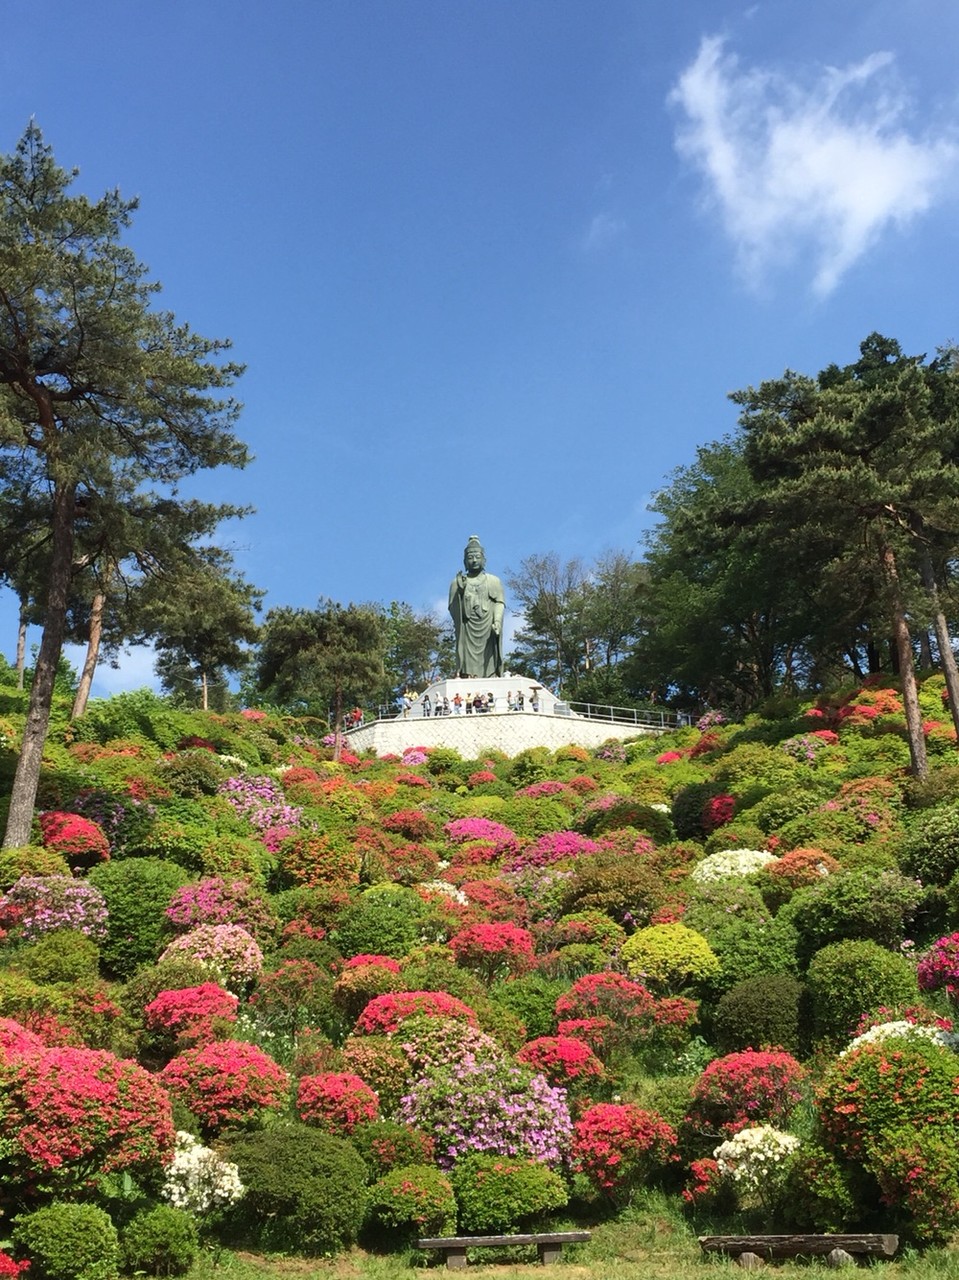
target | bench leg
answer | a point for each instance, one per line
(549, 1253)
(455, 1258)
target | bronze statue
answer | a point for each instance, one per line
(477, 605)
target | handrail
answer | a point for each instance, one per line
(661, 719)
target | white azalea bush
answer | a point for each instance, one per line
(730, 864)
(899, 1029)
(755, 1161)
(199, 1180)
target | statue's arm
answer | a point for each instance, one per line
(498, 602)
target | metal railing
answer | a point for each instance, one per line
(625, 715)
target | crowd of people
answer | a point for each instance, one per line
(470, 704)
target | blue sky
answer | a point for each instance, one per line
(494, 265)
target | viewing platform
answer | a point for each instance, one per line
(556, 723)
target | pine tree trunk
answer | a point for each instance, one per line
(21, 644)
(27, 777)
(92, 656)
(907, 671)
(947, 658)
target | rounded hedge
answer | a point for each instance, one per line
(848, 979)
(306, 1190)
(136, 891)
(762, 1011)
(68, 1242)
(495, 1193)
(162, 1241)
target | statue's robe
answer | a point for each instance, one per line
(477, 605)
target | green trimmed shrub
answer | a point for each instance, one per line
(64, 956)
(387, 920)
(859, 904)
(748, 940)
(30, 860)
(136, 890)
(532, 998)
(306, 1190)
(68, 1242)
(848, 979)
(162, 1241)
(504, 1194)
(192, 774)
(412, 1200)
(760, 1012)
(930, 850)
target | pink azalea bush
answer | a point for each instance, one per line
(227, 950)
(337, 1101)
(619, 1145)
(227, 1082)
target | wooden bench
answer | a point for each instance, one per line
(549, 1244)
(752, 1251)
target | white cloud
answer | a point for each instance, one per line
(806, 172)
(603, 230)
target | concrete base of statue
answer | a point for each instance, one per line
(554, 725)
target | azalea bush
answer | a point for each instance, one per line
(386, 1145)
(70, 1114)
(192, 1015)
(620, 1146)
(564, 1061)
(745, 1088)
(199, 1180)
(493, 950)
(227, 950)
(489, 1107)
(227, 1082)
(77, 839)
(847, 979)
(337, 1101)
(670, 957)
(384, 1014)
(135, 890)
(219, 900)
(756, 1161)
(731, 864)
(36, 905)
(413, 1200)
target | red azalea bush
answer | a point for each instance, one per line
(70, 1114)
(226, 1083)
(10, 1268)
(383, 1014)
(413, 824)
(75, 838)
(493, 950)
(496, 899)
(191, 1015)
(381, 962)
(619, 1145)
(742, 1089)
(717, 811)
(618, 1012)
(311, 858)
(892, 1107)
(563, 1060)
(336, 1101)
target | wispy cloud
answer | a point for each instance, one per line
(811, 172)
(603, 229)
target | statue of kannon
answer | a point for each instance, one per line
(477, 605)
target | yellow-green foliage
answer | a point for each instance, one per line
(669, 957)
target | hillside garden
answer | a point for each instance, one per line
(257, 1000)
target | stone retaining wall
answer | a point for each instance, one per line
(510, 732)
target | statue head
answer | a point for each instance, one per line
(474, 557)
